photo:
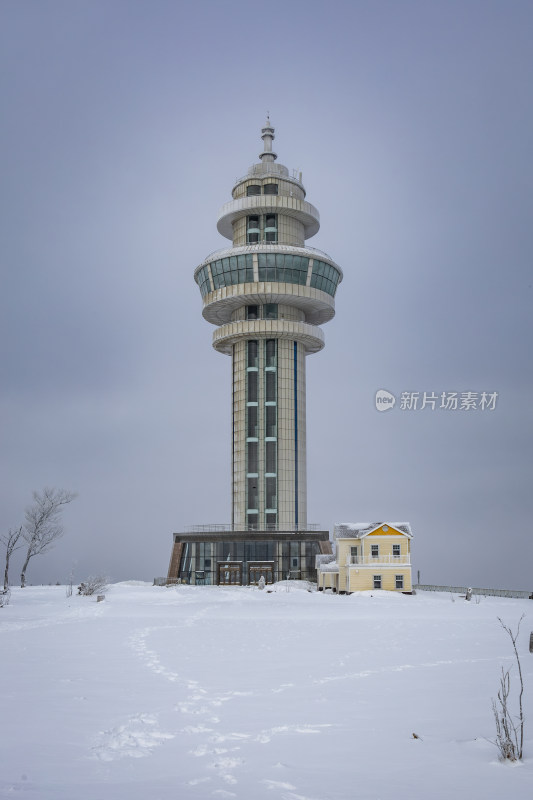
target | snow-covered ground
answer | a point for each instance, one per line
(205, 692)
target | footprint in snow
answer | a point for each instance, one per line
(134, 739)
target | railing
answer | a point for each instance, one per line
(264, 245)
(275, 527)
(424, 587)
(269, 168)
(366, 561)
(276, 247)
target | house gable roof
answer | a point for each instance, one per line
(358, 530)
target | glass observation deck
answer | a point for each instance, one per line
(275, 266)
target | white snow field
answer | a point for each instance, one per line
(206, 692)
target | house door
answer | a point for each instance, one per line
(256, 570)
(229, 573)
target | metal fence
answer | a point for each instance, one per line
(273, 527)
(425, 587)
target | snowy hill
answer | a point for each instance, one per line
(203, 692)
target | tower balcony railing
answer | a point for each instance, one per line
(374, 561)
(270, 168)
(268, 246)
(271, 526)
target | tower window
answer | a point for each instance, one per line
(252, 229)
(270, 422)
(270, 457)
(252, 422)
(253, 494)
(271, 228)
(270, 386)
(252, 351)
(252, 312)
(270, 311)
(270, 353)
(270, 188)
(253, 189)
(271, 501)
(252, 386)
(253, 462)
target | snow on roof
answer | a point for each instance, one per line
(324, 558)
(356, 530)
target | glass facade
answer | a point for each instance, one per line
(324, 277)
(204, 281)
(281, 267)
(200, 561)
(226, 272)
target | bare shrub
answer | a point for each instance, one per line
(509, 729)
(94, 584)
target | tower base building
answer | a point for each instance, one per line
(267, 294)
(208, 556)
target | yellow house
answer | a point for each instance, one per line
(374, 555)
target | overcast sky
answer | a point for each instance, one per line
(124, 127)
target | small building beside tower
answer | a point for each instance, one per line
(367, 555)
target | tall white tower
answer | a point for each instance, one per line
(267, 294)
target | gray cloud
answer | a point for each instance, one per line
(125, 128)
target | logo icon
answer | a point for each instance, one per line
(384, 400)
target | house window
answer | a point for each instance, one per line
(353, 554)
(253, 189)
(396, 550)
(399, 581)
(374, 550)
(377, 581)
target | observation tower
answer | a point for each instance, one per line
(267, 293)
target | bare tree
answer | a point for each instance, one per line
(509, 734)
(43, 526)
(12, 541)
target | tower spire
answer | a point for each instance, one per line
(267, 135)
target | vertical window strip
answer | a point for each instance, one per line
(233, 436)
(296, 433)
(270, 433)
(252, 461)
